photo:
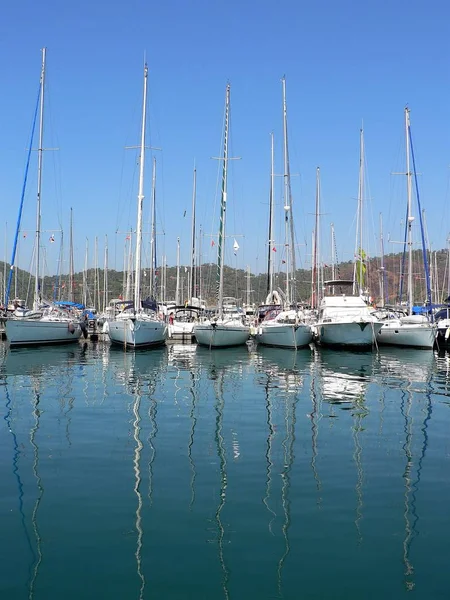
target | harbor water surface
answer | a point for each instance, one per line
(184, 473)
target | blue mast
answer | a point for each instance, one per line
(22, 197)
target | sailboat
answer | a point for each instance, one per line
(228, 328)
(44, 324)
(346, 319)
(138, 325)
(411, 330)
(283, 327)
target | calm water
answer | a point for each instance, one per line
(182, 473)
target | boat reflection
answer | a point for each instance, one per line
(34, 361)
(225, 359)
(441, 377)
(139, 369)
(344, 376)
(287, 369)
(404, 366)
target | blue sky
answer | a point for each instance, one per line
(344, 62)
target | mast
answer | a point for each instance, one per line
(71, 257)
(288, 202)
(105, 276)
(192, 291)
(95, 303)
(358, 270)
(85, 273)
(223, 204)
(410, 217)
(39, 184)
(333, 258)
(315, 287)
(177, 290)
(153, 235)
(271, 203)
(248, 291)
(130, 257)
(4, 264)
(382, 268)
(137, 286)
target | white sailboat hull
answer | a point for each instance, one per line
(221, 334)
(413, 335)
(137, 332)
(347, 333)
(28, 332)
(284, 335)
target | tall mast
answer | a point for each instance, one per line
(223, 204)
(410, 217)
(85, 273)
(96, 282)
(177, 289)
(333, 258)
(359, 260)
(288, 200)
(105, 276)
(39, 185)
(153, 235)
(4, 264)
(271, 203)
(137, 285)
(315, 286)
(382, 269)
(192, 291)
(71, 257)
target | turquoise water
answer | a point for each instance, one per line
(181, 473)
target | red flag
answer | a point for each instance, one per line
(213, 243)
(128, 237)
(274, 249)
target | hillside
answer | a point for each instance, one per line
(235, 281)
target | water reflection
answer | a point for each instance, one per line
(286, 368)
(9, 420)
(269, 462)
(405, 366)
(40, 490)
(344, 375)
(38, 361)
(137, 490)
(289, 456)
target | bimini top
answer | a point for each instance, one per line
(67, 304)
(339, 282)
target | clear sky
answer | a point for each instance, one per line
(345, 62)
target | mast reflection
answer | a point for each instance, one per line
(217, 375)
(15, 469)
(137, 485)
(40, 488)
(315, 418)
(289, 456)
(269, 462)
